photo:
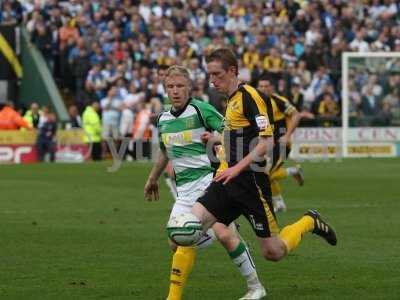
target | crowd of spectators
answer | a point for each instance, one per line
(374, 92)
(111, 50)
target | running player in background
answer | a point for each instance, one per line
(286, 119)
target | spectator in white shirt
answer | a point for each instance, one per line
(236, 23)
(111, 111)
(380, 44)
(128, 112)
(358, 44)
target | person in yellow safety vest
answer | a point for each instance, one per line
(32, 116)
(92, 127)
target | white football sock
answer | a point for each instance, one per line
(279, 204)
(242, 259)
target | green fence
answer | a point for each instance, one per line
(37, 84)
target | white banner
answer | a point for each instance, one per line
(357, 134)
(322, 142)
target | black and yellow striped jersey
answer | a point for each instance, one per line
(282, 110)
(248, 115)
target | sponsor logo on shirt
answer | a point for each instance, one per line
(177, 138)
(189, 123)
(261, 122)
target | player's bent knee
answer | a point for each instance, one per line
(272, 256)
(273, 249)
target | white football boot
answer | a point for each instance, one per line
(255, 293)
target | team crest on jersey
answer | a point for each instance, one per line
(189, 123)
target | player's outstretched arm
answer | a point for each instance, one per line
(294, 121)
(151, 191)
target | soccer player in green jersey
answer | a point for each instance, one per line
(180, 131)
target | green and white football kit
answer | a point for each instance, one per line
(180, 136)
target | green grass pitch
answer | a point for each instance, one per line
(80, 232)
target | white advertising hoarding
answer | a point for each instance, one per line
(362, 142)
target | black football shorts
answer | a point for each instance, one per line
(248, 194)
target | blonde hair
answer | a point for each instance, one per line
(178, 70)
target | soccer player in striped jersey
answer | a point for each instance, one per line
(241, 186)
(180, 131)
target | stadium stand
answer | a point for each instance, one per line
(90, 46)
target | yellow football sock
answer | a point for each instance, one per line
(279, 174)
(275, 188)
(293, 233)
(182, 264)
